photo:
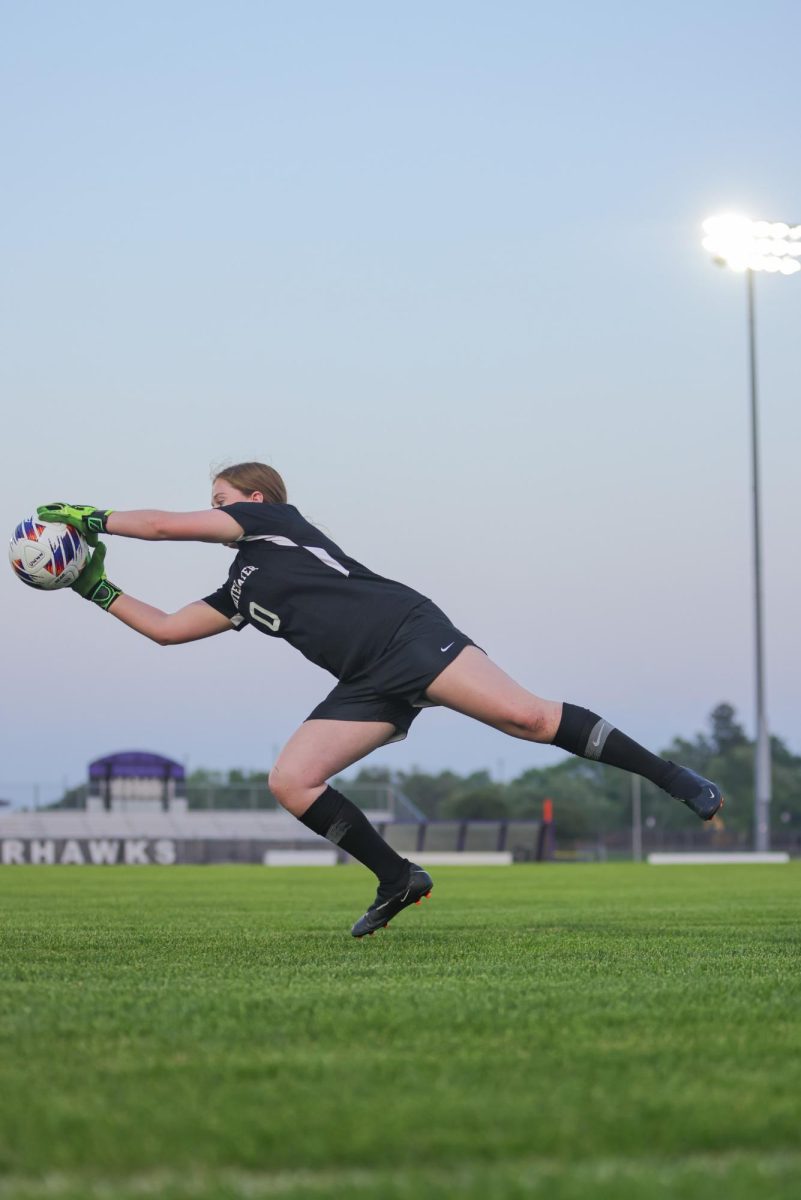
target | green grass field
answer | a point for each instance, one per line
(554, 1031)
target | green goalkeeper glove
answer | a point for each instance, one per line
(87, 519)
(92, 583)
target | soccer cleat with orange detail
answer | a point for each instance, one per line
(391, 899)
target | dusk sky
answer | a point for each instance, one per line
(440, 265)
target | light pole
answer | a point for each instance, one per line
(749, 246)
(636, 818)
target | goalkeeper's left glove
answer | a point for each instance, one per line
(87, 519)
(92, 583)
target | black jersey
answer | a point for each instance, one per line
(290, 581)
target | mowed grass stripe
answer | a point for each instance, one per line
(737, 1176)
(197, 1021)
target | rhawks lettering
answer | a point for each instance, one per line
(43, 852)
(164, 852)
(78, 852)
(136, 853)
(104, 852)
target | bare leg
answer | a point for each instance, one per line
(318, 750)
(474, 685)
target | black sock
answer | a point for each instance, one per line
(584, 733)
(335, 817)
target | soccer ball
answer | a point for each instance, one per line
(47, 554)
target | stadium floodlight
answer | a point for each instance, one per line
(746, 245)
(775, 247)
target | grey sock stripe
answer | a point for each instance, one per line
(597, 739)
(337, 831)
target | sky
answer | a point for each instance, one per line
(440, 265)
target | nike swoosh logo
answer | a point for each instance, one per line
(444, 648)
(597, 740)
(378, 907)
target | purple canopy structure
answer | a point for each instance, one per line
(128, 775)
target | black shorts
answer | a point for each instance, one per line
(393, 688)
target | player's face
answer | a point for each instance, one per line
(223, 492)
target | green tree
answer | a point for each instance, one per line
(587, 796)
(429, 793)
(591, 799)
(727, 734)
(483, 800)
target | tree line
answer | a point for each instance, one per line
(590, 799)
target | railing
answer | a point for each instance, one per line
(375, 797)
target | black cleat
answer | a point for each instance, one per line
(391, 899)
(705, 800)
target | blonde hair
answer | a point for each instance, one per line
(255, 477)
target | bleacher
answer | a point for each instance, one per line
(136, 809)
(158, 838)
(221, 824)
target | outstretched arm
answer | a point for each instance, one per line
(148, 524)
(189, 624)
(194, 621)
(153, 525)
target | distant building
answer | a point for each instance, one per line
(136, 781)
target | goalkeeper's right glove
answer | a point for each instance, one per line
(87, 519)
(92, 583)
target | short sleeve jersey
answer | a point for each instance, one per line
(290, 581)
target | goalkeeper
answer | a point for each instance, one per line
(392, 651)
